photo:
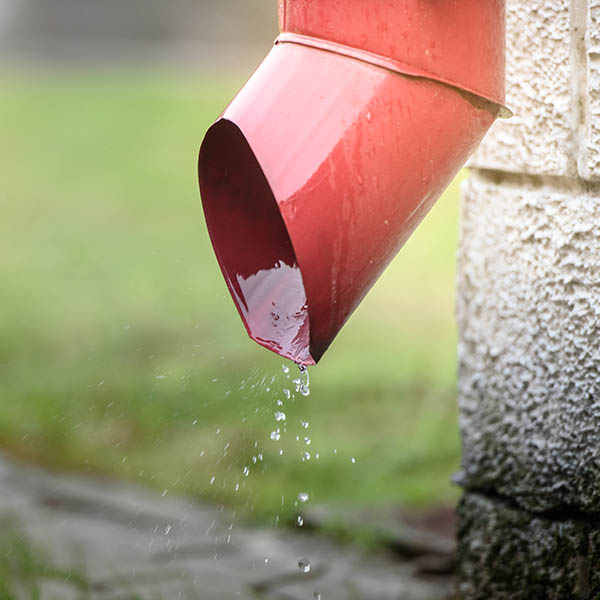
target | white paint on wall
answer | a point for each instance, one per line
(529, 323)
(537, 138)
(529, 270)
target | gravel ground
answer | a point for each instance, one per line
(129, 542)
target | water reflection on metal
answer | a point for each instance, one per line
(273, 303)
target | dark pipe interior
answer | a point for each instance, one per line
(252, 244)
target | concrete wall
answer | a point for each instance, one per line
(529, 319)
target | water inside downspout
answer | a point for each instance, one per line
(252, 244)
(273, 304)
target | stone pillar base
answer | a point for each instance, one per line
(506, 553)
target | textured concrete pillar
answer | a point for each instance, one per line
(529, 319)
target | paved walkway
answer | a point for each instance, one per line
(132, 543)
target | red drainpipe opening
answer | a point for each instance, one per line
(330, 156)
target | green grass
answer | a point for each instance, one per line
(121, 351)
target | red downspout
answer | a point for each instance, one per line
(329, 157)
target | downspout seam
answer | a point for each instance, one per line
(387, 63)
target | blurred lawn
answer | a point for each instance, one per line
(121, 351)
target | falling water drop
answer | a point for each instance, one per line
(304, 565)
(279, 416)
(276, 435)
(300, 521)
(303, 382)
(303, 497)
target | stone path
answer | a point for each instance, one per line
(132, 543)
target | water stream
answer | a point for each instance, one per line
(289, 433)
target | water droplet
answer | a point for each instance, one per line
(300, 521)
(353, 460)
(276, 435)
(304, 424)
(212, 480)
(307, 441)
(167, 529)
(303, 497)
(285, 369)
(247, 471)
(279, 416)
(317, 596)
(304, 565)
(302, 384)
(164, 493)
(237, 487)
(287, 393)
(281, 452)
(195, 422)
(369, 117)
(305, 456)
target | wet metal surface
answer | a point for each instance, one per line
(335, 150)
